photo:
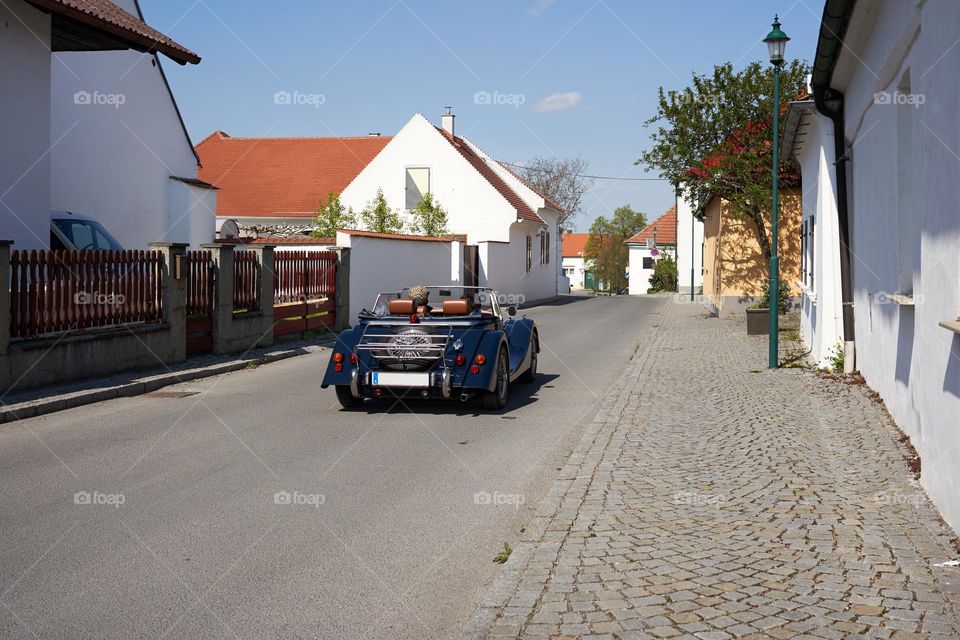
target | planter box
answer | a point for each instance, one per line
(758, 322)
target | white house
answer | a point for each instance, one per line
(513, 226)
(885, 77)
(808, 136)
(90, 126)
(510, 230)
(689, 247)
(657, 239)
(572, 247)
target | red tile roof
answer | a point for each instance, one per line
(395, 236)
(574, 244)
(281, 177)
(665, 226)
(73, 20)
(287, 240)
(524, 212)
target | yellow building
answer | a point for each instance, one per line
(734, 267)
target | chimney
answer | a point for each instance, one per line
(446, 120)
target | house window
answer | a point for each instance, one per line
(418, 184)
(647, 262)
(549, 250)
(812, 245)
(529, 253)
(803, 252)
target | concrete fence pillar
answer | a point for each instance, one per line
(342, 289)
(173, 295)
(222, 255)
(5, 378)
(265, 259)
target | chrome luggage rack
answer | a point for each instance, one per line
(412, 348)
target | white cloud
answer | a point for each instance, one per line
(538, 9)
(558, 102)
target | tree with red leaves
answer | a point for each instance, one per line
(715, 138)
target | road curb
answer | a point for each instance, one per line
(507, 584)
(145, 384)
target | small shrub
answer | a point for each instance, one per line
(835, 357)
(504, 555)
(784, 297)
(665, 275)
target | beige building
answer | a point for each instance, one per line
(734, 267)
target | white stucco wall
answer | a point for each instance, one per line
(639, 279)
(25, 126)
(120, 140)
(902, 352)
(821, 311)
(193, 210)
(503, 267)
(378, 265)
(473, 206)
(576, 277)
(689, 249)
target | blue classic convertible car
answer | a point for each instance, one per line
(434, 342)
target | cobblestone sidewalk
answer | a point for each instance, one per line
(711, 498)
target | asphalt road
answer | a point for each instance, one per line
(383, 536)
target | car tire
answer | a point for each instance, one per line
(531, 373)
(346, 398)
(497, 399)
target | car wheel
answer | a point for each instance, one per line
(497, 399)
(347, 399)
(531, 373)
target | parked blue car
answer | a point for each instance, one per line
(434, 342)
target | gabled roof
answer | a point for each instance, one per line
(100, 25)
(524, 212)
(281, 177)
(550, 202)
(573, 245)
(665, 227)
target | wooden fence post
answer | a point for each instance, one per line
(5, 314)
(265, 260)
(173, 295)
(222, 295)
(342, 289)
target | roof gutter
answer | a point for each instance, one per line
(829, 102)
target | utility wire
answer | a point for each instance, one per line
(582, 175)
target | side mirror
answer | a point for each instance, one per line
(511, 311)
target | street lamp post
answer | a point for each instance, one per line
(776, 44)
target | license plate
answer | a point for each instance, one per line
(397, 379)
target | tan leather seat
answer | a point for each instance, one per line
(456, 307)
(401, 307)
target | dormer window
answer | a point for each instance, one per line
(418, 184)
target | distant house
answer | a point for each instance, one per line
(657, 239)
(878, 148)
(689, 248)
(572, 248)
(734, 266)
(89, 125)
(510, 228)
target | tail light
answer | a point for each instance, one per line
(353, 358)
(460, 360)
(337, 367)
(480, 359)
(414, 318)
(338, 357)
(474, 368)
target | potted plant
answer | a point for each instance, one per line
(758, 316)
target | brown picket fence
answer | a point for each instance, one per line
(245, 281)
(200, 301)
(55, 291)
(303, 291)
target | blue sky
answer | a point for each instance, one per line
(563, 77)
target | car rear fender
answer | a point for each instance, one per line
(518, 336)
(490, 347)
(345, 344)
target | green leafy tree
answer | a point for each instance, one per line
(429, 218)
(606, 252)
(378, 216)
(665, 274)
(715, 138)
(332, 215)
